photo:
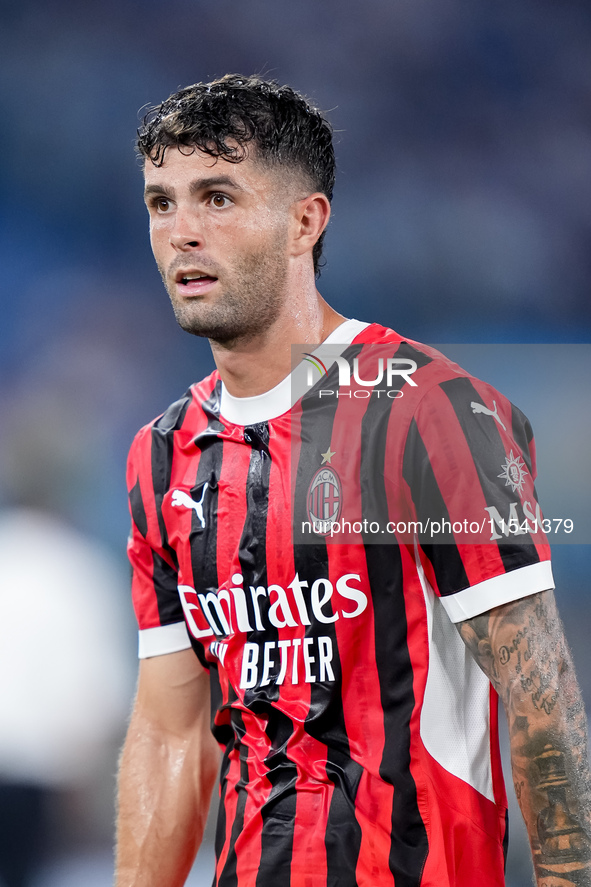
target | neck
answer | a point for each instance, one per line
(253, 366)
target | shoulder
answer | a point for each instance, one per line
(432, 365)
(433, 374)
(443, 395)
(201, 397)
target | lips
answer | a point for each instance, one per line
(194, 283)
(191, 277)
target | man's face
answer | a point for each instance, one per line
(219, 233)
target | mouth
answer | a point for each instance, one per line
(194, 283)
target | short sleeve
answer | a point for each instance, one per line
(469, 471)
(156, 601)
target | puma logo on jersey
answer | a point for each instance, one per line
(480, 408)
(181, 498)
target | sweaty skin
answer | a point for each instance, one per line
(522, 650)
(169, 765)
(251, 232)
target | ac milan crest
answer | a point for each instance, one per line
(324, 500)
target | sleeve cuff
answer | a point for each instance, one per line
(497, 591)
(163, 639)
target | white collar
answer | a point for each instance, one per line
(278, 400)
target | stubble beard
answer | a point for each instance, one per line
(250, 305)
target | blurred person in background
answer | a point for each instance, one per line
(349, 685)
(64, 672)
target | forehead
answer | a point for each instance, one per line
(183, 167)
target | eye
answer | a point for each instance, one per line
(220, 201)
(159, 204)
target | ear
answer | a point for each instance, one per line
(310, 218)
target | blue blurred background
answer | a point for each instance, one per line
(462, 214)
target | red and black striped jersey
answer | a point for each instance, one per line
(316, 556)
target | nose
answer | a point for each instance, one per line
(186, 233)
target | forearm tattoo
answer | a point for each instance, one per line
(522, 649)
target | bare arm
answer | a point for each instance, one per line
(522, 650)
(168, 768)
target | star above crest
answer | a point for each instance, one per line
(326, 457)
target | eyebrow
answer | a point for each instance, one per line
(196, 186)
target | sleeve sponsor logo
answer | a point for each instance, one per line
(517, 522)
(513, 472)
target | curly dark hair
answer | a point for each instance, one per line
(224, 117)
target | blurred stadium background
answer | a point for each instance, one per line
(462, 214)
